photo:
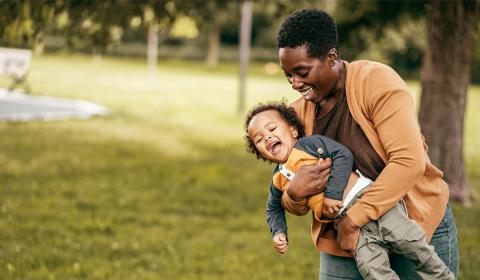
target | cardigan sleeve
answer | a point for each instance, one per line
(389, 107)
(275, 213)
(321, 146)
(298, 208)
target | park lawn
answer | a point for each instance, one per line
(162, 188)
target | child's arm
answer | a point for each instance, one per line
(276, 220)
(342, 165)
(342, 162)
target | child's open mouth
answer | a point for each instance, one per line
(275, 147)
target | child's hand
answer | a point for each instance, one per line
(280, 243)
(331, 207)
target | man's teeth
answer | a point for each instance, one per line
(305, 93)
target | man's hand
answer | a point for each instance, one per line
(331, 207)
(348, 233)
(280, 243)
(310, 180)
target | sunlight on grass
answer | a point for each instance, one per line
(162, 188)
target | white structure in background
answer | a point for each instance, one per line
(16, 106)
(19, 107)
(14, 63)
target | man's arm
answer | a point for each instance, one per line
(394, 120)
(309, 180)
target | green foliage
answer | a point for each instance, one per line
(23, 22)
(162, 188)
(388, 31)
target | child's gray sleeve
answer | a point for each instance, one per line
(342, 161)
(275, 213)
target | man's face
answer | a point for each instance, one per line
(272, 135)
(312, 77)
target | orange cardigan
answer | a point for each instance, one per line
(381, 103)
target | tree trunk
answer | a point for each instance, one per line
(39, 43)
(445, 79)
(213, 46)
(244, 51)
(152, 49)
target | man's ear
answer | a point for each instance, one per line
(332, 56)
(294, 131)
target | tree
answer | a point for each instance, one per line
(24, 22)
(445, 78)
(96, 25)
(450, 28)
(211, 17)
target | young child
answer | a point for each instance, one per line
(276, 135)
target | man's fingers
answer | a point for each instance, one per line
(324, 172)
(321, 164)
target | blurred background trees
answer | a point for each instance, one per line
(434, 38)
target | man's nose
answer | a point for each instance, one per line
(296, 83)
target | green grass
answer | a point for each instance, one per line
(162, 188)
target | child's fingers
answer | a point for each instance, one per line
(282, 250)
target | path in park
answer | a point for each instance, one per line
(20, 107)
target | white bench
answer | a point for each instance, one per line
(15, 63)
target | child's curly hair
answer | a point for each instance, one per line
(286, 112)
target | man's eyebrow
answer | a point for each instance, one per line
(299, 67)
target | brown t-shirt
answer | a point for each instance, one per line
(339, 125)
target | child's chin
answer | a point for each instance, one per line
(282, 159)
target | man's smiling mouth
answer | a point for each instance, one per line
(306, 92)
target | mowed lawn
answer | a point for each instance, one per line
(162, 188)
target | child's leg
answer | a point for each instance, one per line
(371, 256)
(407, 238)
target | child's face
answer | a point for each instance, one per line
(273, 136)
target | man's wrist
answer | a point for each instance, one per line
(352, 226)
(295, 196)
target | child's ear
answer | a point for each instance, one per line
(294, 131)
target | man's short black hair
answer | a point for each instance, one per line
(312, 28)
(286, 112)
